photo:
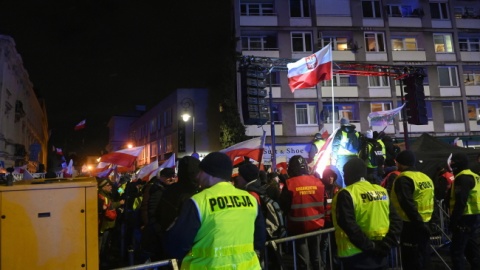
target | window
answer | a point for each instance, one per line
(306, 114)
(439, 11)
(153, 125)
(301, 42)
(348, 111)
(471, 78)
(299, 8)
(378, 107)
(338, 43)
(341, 80)
(464, 12)
(378, 81)
(159, 121)
(452, 111)
(469, 44)
(473, 111)
(371, 9)
(447, 76)
(374, 42)
(256, 9)
(154, 149)
(167, 118)
(443, 43)
(276, 113)
(399, 11)
(404, 44)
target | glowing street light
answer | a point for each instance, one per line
(187, 103)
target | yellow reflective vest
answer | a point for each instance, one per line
(473, 200)
(371, 204)
(423, 195)
(225, 238)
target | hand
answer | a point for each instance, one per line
(122, 202)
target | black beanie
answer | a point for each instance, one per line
(406, 157)
(354, 170)
(103, 182)
(218, 165)
(459, 162)
(167, 172)
(248, 171)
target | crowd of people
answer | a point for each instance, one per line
(210, 215)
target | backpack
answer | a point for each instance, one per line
(274, 218)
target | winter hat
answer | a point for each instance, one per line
(459, 162)
(103, 182)
(217, 164)
(354, 170)
(167, 172)
(248, 171)
(188, 169)
(406, 157)
(344, 121)
(369, 134)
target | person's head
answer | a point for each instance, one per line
(458, 162)
(354, 170)
(246, 173)
(369, 134)
(329, 177)
(405, 159)
(167, 176)
(344, 121)
(273, 176)
(297, 166)
(188, 170)
(214, 167)
(105, 185)
(317, 136)
(262, 176)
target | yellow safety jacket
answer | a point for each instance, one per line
(225, 238)
(423, 195)
(371, 204)
(342, 151)
(319, 144)
(473, 201)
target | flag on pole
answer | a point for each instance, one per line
(324, 154)
(146, 171)
(252, 148)
(383, 118)
(309, 71)
(124, 157)
(169, 163)
(80, 125)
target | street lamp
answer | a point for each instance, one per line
(186, 104)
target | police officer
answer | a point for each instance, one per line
(465, 216)
(345, 146)
(315, 147)
(372, 152)
(202, 234)
(366, 225)
(413, 197)
(302, 199)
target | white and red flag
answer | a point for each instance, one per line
(147, 172)
(252, 148)
(383, 118)
(124, 157)
(59, 151)
(309, 71)
(169, 163)
(324, 154)
(80, 125)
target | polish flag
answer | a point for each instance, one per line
(80, 125)
(324, 133)
(169, 163)
(124, 157)
(309, 71)
(282, 164)
(324, 154)
(146, 171)
(59, 151)
(252, 148)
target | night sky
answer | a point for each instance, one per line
(93, 59)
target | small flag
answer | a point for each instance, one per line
(80, 125)
(252, 148)
(383, 118)
(124, 157)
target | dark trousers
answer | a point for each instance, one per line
(308, 252)
(415, 248)
(341, 161)
(465, 244)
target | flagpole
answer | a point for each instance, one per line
(272, 124)
(333, 95)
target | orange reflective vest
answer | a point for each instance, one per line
(307, 211)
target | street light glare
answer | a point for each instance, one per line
(186, 117)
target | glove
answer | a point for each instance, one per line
(381, 248)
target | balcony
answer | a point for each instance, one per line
(468, 22)
(409, 56)
(334, 21)
(259, 20)
(470, 56)
(275, 53)
(404, 22)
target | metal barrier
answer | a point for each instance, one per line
(154, 265)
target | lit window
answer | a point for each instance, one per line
(443, 43)
(374, 42)
(404, 44)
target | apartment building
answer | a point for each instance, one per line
(23, 117)
(440, 37)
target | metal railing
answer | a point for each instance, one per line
(154, 265)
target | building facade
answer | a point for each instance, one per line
(163, 132)
(440, 37)
(23, 117)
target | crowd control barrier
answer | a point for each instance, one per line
(152, 266)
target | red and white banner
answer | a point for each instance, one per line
(80, 125)
(146, 172)
(252, 148)
(124, 157)
(383, 118)
(309, 71)
(169, 163)
(324, 154)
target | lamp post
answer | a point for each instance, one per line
(186, 104)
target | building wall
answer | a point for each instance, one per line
(23, 117)
(337, 19)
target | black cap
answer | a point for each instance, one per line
(406, 157)
(248, 171)
(354, 170)
(217, 164)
